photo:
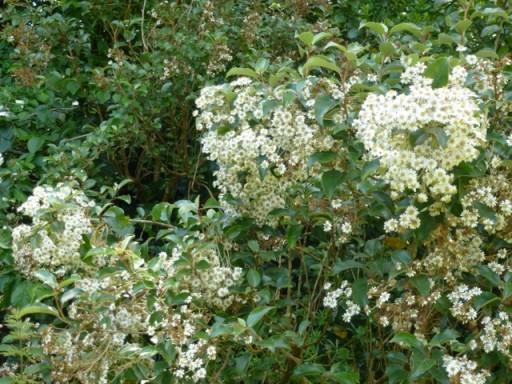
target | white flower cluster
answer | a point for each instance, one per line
(113, 314)
(488, 202)
(59, 221)
(454, 253)
(342, 229)
(407, 220)
(421, 135)
(343, 292)
(208, 280)
(221, 56)
(497, 334)
(461, 302)
(486, 75)
(261, 139)
(465, 370)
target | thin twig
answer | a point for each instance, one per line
(142, 27)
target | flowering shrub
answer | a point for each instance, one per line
(358, 228)
(262, 138)
(421, 136)
(59, 223)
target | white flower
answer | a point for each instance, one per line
(419, 136)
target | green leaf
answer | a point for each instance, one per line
(507, 290)
(402, 257)
(490, 30)
(444, 337)
(350, 53)
(407, 339)
(418, 137)
(72, 86)
(387, 49)
(484, 299)
(236, 71)
(47, 278)
(256, 315)
(462, 26)
(493, 12)
(35, 143)
(422, 284)
(316, 62)
(438, 71)
(322, 157)
(308, 370)
(306, 38)
(346, 377)
(428, 224)
(330, 181)
(323, 104)
(293, 235)
(446, 39)
(162, 212)
(487, 53)
(379, 28)
(261, 65)
(423, 366)
(253, 245)
(407, 27)
(70, 295)
(360, 292)
(440, 136)
(37, 368)
(118, 221)
(396, 374)
(38, 309)
(489, 275)
(274, 343)
(485, 211)
(253, 277)
(321, 36)
(341, 266)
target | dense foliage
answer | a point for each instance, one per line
(255, 191)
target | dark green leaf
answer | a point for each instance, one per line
(253, 277)
(330, 181)
(323, 104)
(308, 370)
(438, 71)
(256, 315)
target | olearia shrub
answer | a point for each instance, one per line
(359, 229)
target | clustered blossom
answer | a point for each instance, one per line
(405, 312)
(60, 219)
(221, 57)
(208, 280)
(488, 202)
(496, 334)
(451, 254)
(461, 302)
(114, 314)
(465, 370)
(488, 77)
(407, 220)
(344, 293)
(261, 141)
(419, 136)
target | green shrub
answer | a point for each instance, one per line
(353, 215)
